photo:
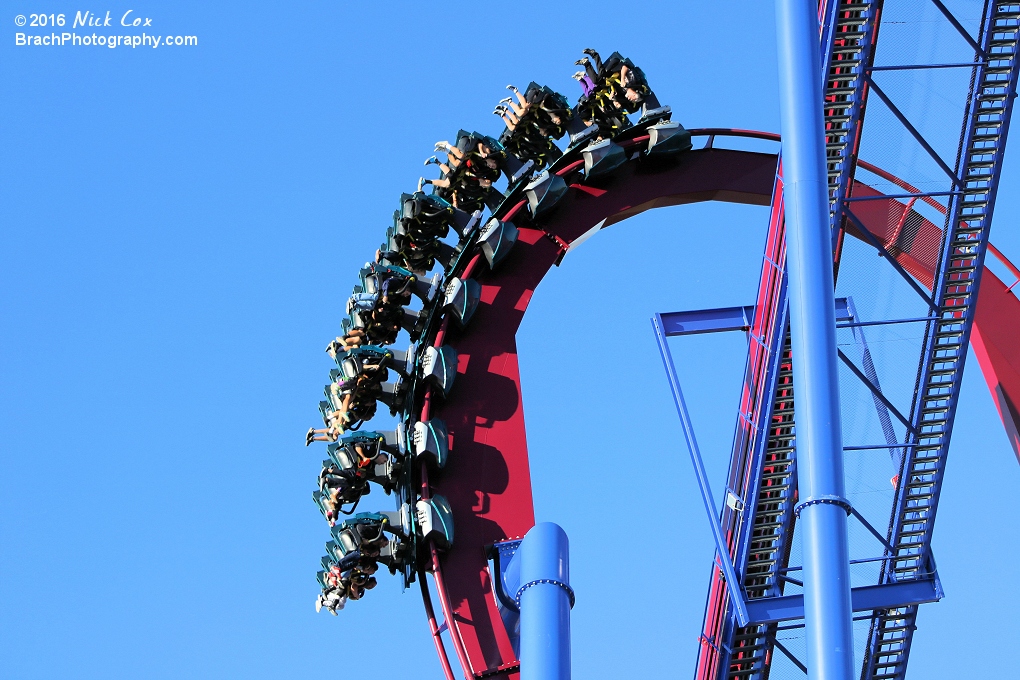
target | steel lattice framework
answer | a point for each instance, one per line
(763, 466)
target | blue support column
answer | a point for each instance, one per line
(539, 575)
(823, 508)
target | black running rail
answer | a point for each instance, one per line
(850, 33)
(956, 292)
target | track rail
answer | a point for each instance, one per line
(487, 479)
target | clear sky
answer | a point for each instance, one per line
(179, 229)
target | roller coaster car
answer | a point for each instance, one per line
(439, 367)
(383, 325)
(379, 311)
(339, 486)
(339, 586)
(381, 278)
(601, 158)
(373, 361)
(362, 398)
(335, 559)
(335, 563)
(613, 89)
(544, 192)
(391, 442)
(431, 441)
(381, 292)
(472, 165)
(435, 521)
(351, 402)
(331, 500)
(384, 472)
(461, 298)
(366, 533)
(417, 253)
(362, 371)
(363, 403)
(333, 477)
(496, 239)
(367, 367)
(342, 577)
(418, 256)
(425, 217)
(362, 532)
(533, 121)
(369, 456)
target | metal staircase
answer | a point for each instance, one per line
(947, 339)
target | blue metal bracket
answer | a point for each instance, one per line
(879, 447)
(886, 322)
(501, 554)
(863, 598)
(707, 320)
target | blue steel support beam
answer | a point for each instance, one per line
(864, 598)
(724, 319)
(823, 517)
(707, 320)
(886, 197)
(539, 575)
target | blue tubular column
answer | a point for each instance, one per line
(822, 509)
(544, 596)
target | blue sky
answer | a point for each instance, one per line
(179, 229)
